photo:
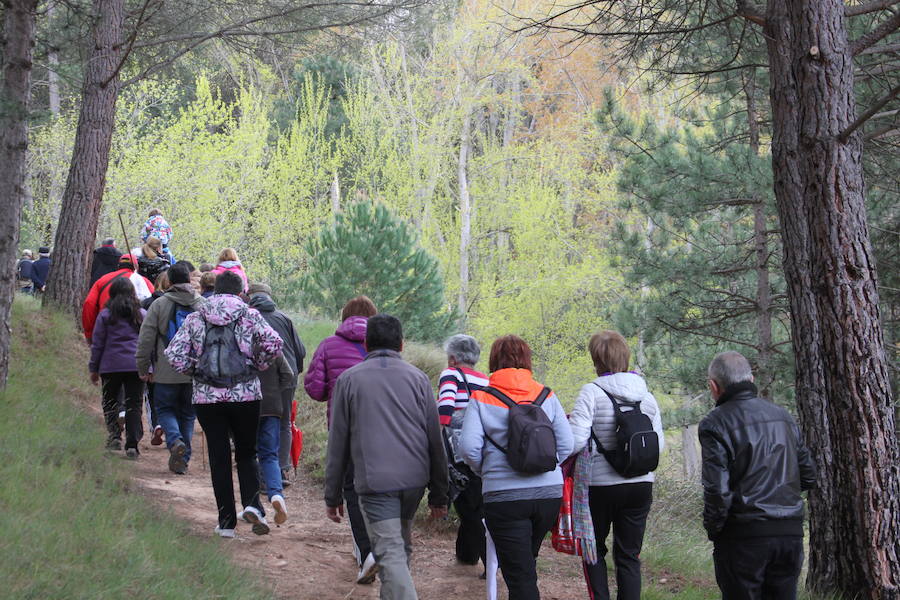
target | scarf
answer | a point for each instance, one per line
(582, 525)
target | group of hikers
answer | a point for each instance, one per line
(208, 344)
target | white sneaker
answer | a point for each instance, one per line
(252, 515)
(280, 509)
(225, 533)
(368, 570)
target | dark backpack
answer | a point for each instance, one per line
(637, 445)
(531, 442)
(222, 363)
(152, 267)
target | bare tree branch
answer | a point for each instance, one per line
(886, 28)
(869, 113)
(864, 9)
(880, 49)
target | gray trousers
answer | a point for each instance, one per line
(389, 518)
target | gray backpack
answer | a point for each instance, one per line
(222, 363)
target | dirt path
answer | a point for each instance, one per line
(311, 557)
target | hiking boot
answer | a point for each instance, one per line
(280, 509)
(287, 478)
(177, 463)
(225, 533)
(368, 570)
(157, 438)
(252, 515)
(113, 444)
(132, 453)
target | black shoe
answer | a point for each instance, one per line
(113, 444)
(132, 453)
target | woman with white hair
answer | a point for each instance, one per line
(457, 382)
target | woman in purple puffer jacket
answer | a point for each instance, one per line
(335, 355)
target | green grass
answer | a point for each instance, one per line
(73, 524)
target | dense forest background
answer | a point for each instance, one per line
(561, 188)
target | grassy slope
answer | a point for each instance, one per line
(72, 526)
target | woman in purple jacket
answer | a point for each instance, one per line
(113, 347)
(335, 355)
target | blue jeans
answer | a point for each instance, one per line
(175, 413)
(267, 442)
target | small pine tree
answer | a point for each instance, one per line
(370, 251)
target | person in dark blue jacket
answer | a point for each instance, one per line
(40, 269)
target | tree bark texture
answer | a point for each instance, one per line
(465, 213)
(80, 212)
(691, 453)
(53, 69)
(843, 392)
(18, 44)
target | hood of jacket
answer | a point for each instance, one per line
(629, 386)
(107, 253)
(263, 303)
(223, 309)
(183, 294)
(353, 329)
(518, 384)
(229, 264)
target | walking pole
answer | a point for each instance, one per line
(127, 245)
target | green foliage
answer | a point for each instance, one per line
(369, 251)
(73, 525)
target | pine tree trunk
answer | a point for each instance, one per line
(18, 42)
(335, 194)
(764, 371)
(81, 200)
(843, 393)
(465, 214)
(53, 68)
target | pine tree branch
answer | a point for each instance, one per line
(864, 9)
(886, 28)
(880, 49)
(869, 113)
(752, 12)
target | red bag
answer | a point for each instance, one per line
(296, 437)
(563, 535)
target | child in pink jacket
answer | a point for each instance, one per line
(229, 261)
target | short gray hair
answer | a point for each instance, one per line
(463, 348)
(728, 368)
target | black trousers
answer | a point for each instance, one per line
(239, 420)
(625, 508)
(114, 384)
(355, 516)
(764, 568)
(470, 539)
(518, 528)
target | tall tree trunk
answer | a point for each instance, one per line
(81, 200)
(18, 42)
(843, 393)
(465, 213)
(335, 194)
(764, 371)
(691, 453)
(53, 67)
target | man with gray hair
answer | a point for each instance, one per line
(455, 385)
(755, 467)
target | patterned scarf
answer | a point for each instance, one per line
(583, 526)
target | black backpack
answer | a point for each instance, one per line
(532, 443)
(637, 445)
(222, 363)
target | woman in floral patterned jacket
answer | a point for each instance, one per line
(230, 411)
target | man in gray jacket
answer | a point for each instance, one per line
(385, 422)
(171, 389)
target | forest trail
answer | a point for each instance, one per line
(309, 556)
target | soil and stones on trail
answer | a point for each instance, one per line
(311, 557)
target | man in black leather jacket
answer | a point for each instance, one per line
(755, 466)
